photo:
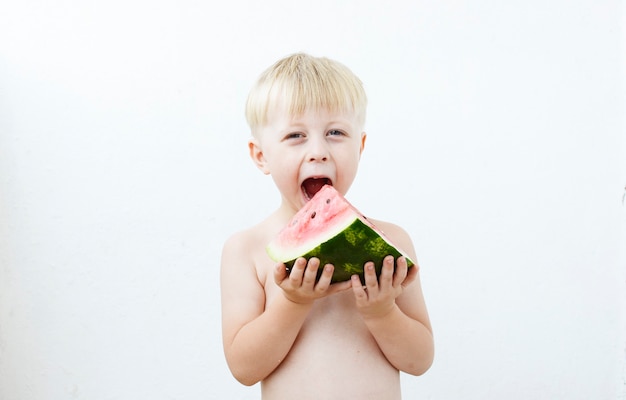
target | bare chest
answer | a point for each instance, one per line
(333, 357)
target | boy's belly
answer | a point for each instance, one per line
(334, 357)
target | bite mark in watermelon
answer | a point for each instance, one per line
(330, 228)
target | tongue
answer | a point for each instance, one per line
(313, 185)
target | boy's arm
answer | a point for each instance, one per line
(255, 339)
(394, 310)
(256, 336)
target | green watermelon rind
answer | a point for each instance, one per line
(349, 250)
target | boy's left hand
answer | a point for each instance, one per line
(377, 297)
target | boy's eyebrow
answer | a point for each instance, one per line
(340, 121)
(295, 124)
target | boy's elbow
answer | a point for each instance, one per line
(418, 369)
(246, 380)
(423, 368)
(245, 376)
(424, 364)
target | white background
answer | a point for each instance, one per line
(496, 138)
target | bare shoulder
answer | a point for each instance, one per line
(398, 236)
(232, 251)
(242, 249)
(242, 278)
(244, 258)
(241, 240)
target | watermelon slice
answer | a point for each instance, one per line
(330, 228)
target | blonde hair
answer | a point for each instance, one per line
(302, 82)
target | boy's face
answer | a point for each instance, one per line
(306, 151)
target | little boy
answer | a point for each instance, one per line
(300, 338)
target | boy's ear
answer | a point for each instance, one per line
(256, 153)
(363, 138)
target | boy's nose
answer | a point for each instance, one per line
(318, 152)
(318, 157)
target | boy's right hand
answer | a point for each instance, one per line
(299, 285)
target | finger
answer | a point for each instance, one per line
(340, 286)
(324, 282)
(411, 275)
(297, 271)
(357, 288)
(400, 272)
(280, 273)
(310, 273)
(371, 281)
(386, 274)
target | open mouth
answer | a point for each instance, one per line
(310, 186)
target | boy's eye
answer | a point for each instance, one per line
(294, 135)
(335, 132)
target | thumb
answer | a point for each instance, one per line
(280, 273)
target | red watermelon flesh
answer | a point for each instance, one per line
(330, 228)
